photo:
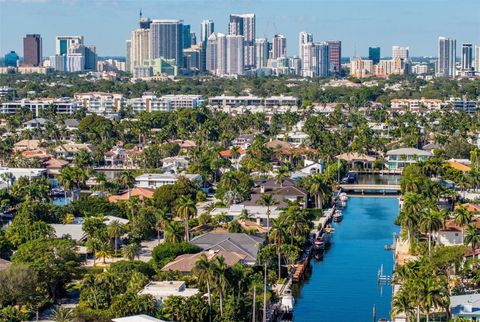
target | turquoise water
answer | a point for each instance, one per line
(343, 286)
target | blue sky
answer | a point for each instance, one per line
(358, 23)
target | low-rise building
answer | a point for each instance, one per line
(273, 101)
(36, 106)
(465, 306)
(400, 158)
(155, 180)
(100, 102)
(162, 290)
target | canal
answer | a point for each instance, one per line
(342, 287)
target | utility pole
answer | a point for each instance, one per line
(254, 315)
(265, 293)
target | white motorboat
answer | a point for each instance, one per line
(288, 301)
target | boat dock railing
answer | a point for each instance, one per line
(382, 278)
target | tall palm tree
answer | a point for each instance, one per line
(204, 271)
(402, 303)
(186, 208)
(65, 178)
(281, 174)
(472, 237)
(127, 178)
(103, 251)
(462, 217)
(278, 236)
(319, 188)
(431, 294)
(220, 268)
(115, 230)
(430, 222)
(267, 200)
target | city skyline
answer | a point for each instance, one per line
(119, 18)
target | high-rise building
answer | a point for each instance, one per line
(191, 59)
(32, 50)
(303, 38)
(361, 68)
(308, 53)
(166, 40)
(128, 55)
(193, 39)
(91, 58)
(261, 52)
(244, 25)
(74, 62)
(447, 52)
(211, 53)
(235, 55)
(187, 41)
(279, 46)
(295, 64)
(63, 43)
(322, 59)
(467, 56)
(402, 52)
(11, 59)
(207, 27)
(57, 62)
(140, 47)
(477, 59)
(221, 60)
(335, 52)
(374, 54)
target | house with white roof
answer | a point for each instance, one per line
(163, 289)
(155, 180)
(465, 306)
(400, 158)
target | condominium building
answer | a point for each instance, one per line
(467, 57)
(140, 47)
(128, 55)
(207, 27)
(273, 101)
(166, 40)
(211, 54)
(477, 59)
(221, 60)
(36, 106)
(261, 52)
(447, 53)
(244, 25)
(401, 52)
(303, 38)
(235, 55)
(100, 102)
(166, 103)
(322, 59)
(361, 67)
(279, 47)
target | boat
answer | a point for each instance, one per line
(343, 197)
(329, 229)
(337, 217)
(287, 302)
(319, 242)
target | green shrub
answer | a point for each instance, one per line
(166, 252)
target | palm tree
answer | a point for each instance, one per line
(115, 230)
(103, 251)
(432, 294)
(65, 178)
(186, 208)
(402, 303)
(220, 269)
(173, 232)
(278, 235)
(430, 222)
(462, 217)
(281, 174)
(319, 188)
(131, 251)
(472, 237)
(205, 274)
(244, 215)
(267, 200)
(127, 178)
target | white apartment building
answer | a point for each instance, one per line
(166, 103)
(60, 105)
(251, 100)
(100, 102)
(155, 180)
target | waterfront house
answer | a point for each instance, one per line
(155, 180)
(175, 164)
(38, 123)
(356, 160)
(451, 234)
(243, 141)
(186, 262)
(465, 306)
(400, 158)
(162, 290)
(75, 231)
(240, 243)
(256, 212)
(295, 138)
(68, 150)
